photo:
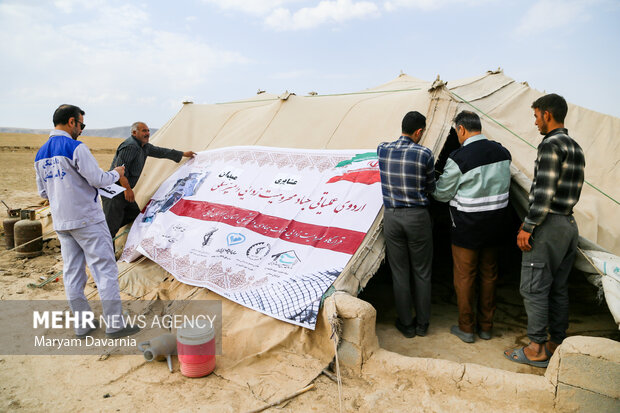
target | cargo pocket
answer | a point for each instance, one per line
(533, 277)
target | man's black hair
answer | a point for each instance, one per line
(66, 112)
(413, 121)
(554, 104)
(469, 120)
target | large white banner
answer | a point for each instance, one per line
(268, 228)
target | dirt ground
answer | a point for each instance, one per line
(587, 317)
(120, 383)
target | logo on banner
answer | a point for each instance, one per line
(258, 251)
(235, 238)
(206, 239)
(363, 169)
(286, 259)
(367, 176)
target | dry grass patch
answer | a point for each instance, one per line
(17, 142)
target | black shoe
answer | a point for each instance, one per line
(466, 337)
(420, 329)
(485, 335)
(90, 330)
(408, 331)
(127, 331)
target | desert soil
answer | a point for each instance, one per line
(120, 383)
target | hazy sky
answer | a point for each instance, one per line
(123, 61)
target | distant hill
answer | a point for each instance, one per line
(118, 132)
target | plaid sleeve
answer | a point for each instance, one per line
(430, 175)
(545, 185)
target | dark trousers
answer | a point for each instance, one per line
(409, 247)
(544, 277)
(468, 263)
(118, 212)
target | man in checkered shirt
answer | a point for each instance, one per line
(548, 236)
(407, 177)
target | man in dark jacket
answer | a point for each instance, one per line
(132, 153)
(475, 180)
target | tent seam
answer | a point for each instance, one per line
(491, 93)
(226, 122)
(347, 114)
(523, 140)
(327, 95)
(269, 124)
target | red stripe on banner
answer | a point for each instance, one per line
(330, 238)
(365, 176)
(146, 206)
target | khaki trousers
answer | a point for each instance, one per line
(467, 264)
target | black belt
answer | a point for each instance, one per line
(408, 207)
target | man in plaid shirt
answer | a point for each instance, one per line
(407, 177)
(548, 236)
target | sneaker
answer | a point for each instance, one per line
(90, 330)
(420, 329)
(485, 335)
(408, 331)
(127, 331)
(466, 337)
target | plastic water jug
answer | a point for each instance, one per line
(196, 349)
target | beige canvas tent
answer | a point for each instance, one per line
(363, 119)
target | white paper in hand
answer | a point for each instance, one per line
(111, 190)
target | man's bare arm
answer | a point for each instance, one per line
(129, 195)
